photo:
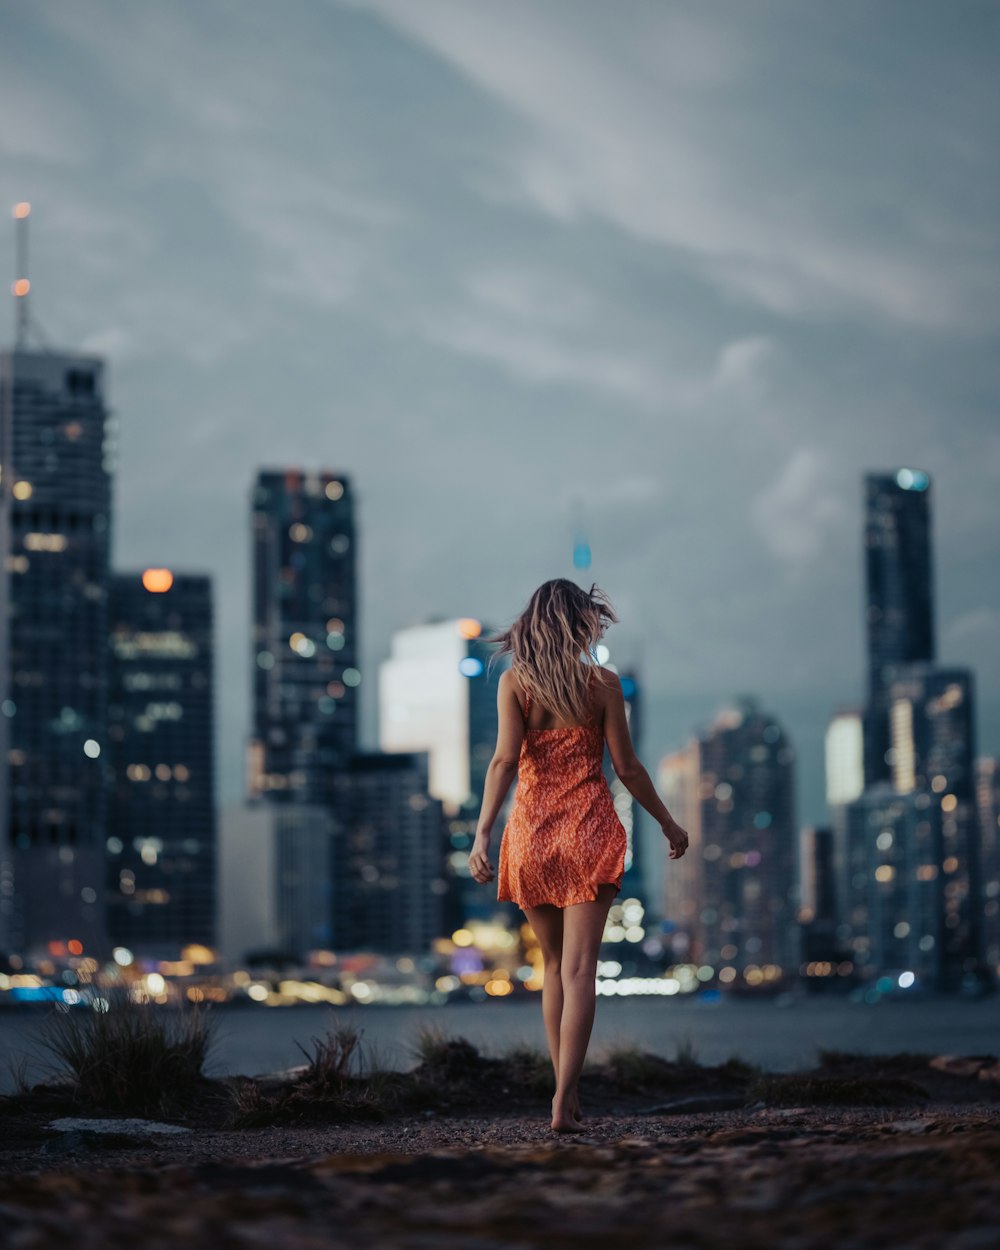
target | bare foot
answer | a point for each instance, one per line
(565, 1121)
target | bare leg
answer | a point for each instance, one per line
(547, 923)
(583, 928)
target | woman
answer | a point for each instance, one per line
(562, 853)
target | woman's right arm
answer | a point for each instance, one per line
(630, 770)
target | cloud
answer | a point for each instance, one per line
(662, 145)
(797, 511)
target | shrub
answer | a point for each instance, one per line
(128, 1055)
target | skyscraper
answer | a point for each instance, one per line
(988, 804)
(56, 466)
(436, 695)
(733, 894)
(893, 913)
(899, 613)
(634, 882)
(305, 658)
(932, 718)
(161, 821)
(817, 888)
(844, 759)
(388, 888)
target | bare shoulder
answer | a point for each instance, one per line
(607, 680)
(508, 683)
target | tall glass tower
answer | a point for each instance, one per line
(304, 634)
(899, 613)
(55, 528)
(732, 898)
(438, 695)
(161, 823)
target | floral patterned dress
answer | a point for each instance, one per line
(563, 837)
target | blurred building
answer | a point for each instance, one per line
(634, 883)
(818, 895)
(899, 614)
(248, 879)
(389, 889)
(733, 896)
(843, 750)
(56, 466)
(436, 695)
(309, 874)
(304, 642)
(678, 779)
(278, 872)
(894, 915)
(161, 865)
(932, 718)
(988, 805)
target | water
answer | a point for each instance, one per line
(780, 1038)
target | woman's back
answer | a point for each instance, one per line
(563, 837)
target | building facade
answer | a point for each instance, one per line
(161, 883)
(304, 643)
(438, 694)
(56, 470)
(733, 896)
(895, 917)
(634, 883)
(988, 806)
(389, 891)
(933, 727)
(899, 610)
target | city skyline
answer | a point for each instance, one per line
(496, 303)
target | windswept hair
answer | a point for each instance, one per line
(552, 644)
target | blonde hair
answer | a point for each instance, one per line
(552, 644)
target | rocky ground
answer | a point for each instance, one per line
(897, 1151)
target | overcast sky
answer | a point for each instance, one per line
(684, 272)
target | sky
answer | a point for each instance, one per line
(676, 274)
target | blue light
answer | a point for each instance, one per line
(470, 666)
(36, 993)
(762, 820)
(581, 556)
(628, 687)
(912, 479)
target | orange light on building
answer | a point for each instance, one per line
(22, 208)
(74, 946)
(157, 580)
(469, 627)
(21, 286)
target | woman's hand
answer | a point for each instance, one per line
(479, 860)
(677, 837)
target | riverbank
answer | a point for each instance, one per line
(857, 1151)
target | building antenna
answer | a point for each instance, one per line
(581, 545)
(21, 284)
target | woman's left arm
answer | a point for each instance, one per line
(500, 773)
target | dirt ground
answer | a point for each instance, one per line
(780, 1178)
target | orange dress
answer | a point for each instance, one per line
(563, 837)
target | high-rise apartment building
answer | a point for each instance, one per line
(437, 695)
(899, 612)
(988, 805)
(161, 886)
(389, 889)
(893, 916)
(305, 657)
(634, 882)
(56, 467)
(932, 720)
(733, 895)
